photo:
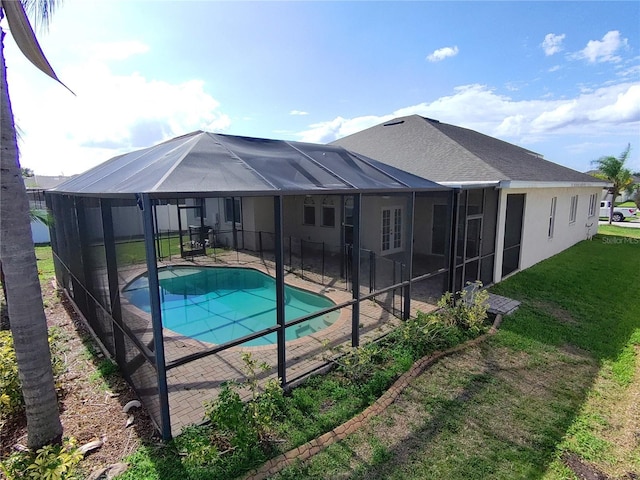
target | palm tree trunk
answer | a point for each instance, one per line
(24, 297)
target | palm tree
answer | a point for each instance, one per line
(613, 170)
(24, 298)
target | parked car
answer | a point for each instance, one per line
(619, 213)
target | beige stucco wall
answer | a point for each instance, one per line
(372, 205)
(293, 216)
(536, 244)
(423, 226)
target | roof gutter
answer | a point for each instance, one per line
(562, 184)
(471, 184)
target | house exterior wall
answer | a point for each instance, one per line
(423, 223)
(371, 221)
(257, 216)
(294, 226)
(39, 232)
(536, 245)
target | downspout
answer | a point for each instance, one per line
(453, 239)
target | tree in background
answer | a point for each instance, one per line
(24, 297)
(613, 170)
(635, 190)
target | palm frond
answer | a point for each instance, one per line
(24, 37)
(42, 216)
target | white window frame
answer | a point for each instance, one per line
(238, 209)
(324, 217)
(573, 209)
(552, 216)
(395, 227)
(310, 204)
(593, 201)
(327, 204)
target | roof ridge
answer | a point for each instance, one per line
(217, 138)
(178, 161)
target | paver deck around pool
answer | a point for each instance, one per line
(194, 383)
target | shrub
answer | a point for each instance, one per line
(51, 462)
(11, 400)
(11, 394)
(466, 310)
(358, 364)
(242, 426)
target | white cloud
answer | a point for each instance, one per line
(604, 50)
(442, 53)
(625, 108)
(555, 68)
(298, 112)
(109, 115)
(552, 43)
(614, 108)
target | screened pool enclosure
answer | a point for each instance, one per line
(335, 248)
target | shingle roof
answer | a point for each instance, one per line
(208, 163)
(446, 153)
(44, 182)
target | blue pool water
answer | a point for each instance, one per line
(219, 304)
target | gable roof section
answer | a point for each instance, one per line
(446, 153)
(44, 182)
(203, 163)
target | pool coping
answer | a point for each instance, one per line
(290, 279)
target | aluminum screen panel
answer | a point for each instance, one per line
(208, 163)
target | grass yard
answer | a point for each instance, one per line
(624, 233)
(559, 384)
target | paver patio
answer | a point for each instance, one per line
(194, 383)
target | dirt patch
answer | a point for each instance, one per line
(581, 469)
(560, 313)
(90, 408)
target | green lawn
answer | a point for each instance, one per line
(622, 232)
(44, 257)
(560, 376)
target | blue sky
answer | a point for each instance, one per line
(559, 78)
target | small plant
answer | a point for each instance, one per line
(358, 364)
(242, 426)
(51, 462)
(105, 369)
(467, 309)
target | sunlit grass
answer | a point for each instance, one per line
(554, 379)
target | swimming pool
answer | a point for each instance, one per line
(220, 304)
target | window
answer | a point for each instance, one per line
(573, 210)
(328, 216)
(309, 212)
(593, 198)
(552, 216)
(199, 212)
(391, 240)
(232, 210)
(328, 213)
